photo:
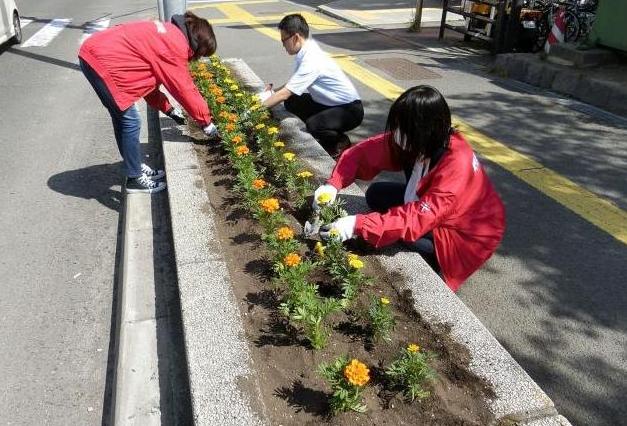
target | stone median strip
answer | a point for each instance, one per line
(217, 354)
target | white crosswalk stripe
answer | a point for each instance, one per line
(94, 27)
(47, 33)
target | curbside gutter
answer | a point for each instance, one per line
(217, 355)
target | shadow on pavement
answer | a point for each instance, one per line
(93, 182)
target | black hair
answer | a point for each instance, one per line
(423, 119)
(294, 24)
(201, 32)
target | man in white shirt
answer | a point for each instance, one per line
(318, 92)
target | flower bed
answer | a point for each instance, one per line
(316, 312)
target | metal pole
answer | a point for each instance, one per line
(173, 7)
(417, 17)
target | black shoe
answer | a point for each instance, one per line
(342, 144)
(152, 173)
(143, 184)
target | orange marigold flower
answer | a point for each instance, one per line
(232, 117)
(259, 184)
(284, 233)
(220, 99)
(229, 127)
(224, 114)
(236, 139)
(291, 259)
(269, 205)
(357, 373)
(242, 150)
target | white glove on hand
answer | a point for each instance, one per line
(324, 189)
(342, 229)
(265, 95)
(211, 131)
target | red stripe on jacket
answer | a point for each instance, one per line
(456, 201)
(134, 58)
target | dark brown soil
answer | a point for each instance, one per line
(285, 365)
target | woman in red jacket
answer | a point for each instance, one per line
(448, 211)
(129, 62)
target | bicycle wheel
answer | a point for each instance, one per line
(572, 27)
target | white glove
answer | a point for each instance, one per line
(324, 189)
(265, 95)
(211, 131)
(342, 229)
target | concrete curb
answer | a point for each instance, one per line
(518, 398)
(217, 354)
(529, 68)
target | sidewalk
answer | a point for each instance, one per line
(386, 15)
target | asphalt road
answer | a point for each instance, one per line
(553, 294)
(60, 200)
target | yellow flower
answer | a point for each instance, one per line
(233, 87)
(319, 248)
(413, 348)
(272, 130)
(228, 81)
(260, 126)
(259, 184)
(291, 259)
(269, 205)
(239, 95)
(356, 263)
(324, 198)
(278, 144)
(224, 114)
(236, 139)
(284, 233)
(255, 107)
(385, 301)
(305, 174)
(334, 233)
(289, 156)
(357, 373)
(242, 150)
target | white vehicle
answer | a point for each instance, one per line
(10, 28)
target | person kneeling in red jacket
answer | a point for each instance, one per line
(130, 61)
(448, 211)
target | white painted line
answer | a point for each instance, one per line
(94, 27)
(47, 33)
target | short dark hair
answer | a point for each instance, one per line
(423, 118)
(201, 31)
(294, 24)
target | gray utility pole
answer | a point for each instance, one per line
(416, 25)
(167, 8)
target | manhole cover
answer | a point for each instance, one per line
(402, 69)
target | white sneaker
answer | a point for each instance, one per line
(151, 173)
(143, 184)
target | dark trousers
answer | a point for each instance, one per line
(381, 196)
(325, 123)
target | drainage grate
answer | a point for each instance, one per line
(402, 69)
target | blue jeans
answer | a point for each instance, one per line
(381, 196)
(126, 124)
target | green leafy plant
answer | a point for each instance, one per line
(381, 318)
(347, 380)
(411, 371)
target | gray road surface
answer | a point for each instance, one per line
(60, 202)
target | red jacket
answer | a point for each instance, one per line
(456, 201)
(133, 59)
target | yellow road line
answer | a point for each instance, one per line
(313, 20)
(205, 6)
(593, 208)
